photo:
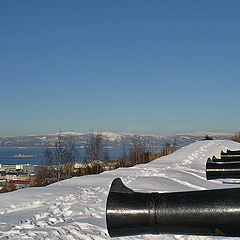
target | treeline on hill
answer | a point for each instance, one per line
(236, 137)
(60, 160)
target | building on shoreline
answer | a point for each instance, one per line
(20, 174)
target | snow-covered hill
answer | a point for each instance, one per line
(75, 208)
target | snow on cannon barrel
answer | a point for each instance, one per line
(206, 212)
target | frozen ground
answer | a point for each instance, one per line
(75, 208)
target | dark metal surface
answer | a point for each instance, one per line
(222, 165)
(229, 152)
(230, 155)
(212, 174)
(226, 159)
(208, 212)
(228, 166)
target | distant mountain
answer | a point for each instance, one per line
(113, 140)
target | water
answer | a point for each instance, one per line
(6, 155)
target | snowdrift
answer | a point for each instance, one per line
(75, 208)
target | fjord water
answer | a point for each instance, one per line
(6, 156)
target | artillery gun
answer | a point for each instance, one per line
(206, 212)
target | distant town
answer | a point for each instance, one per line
(22, 175)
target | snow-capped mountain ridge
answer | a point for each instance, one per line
(116, 134)
(111, 134)
(111, 139)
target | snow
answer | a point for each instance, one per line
(69, 133)
(75, 208)
(111, 136)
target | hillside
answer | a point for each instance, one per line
(113, 140)
(75, 208)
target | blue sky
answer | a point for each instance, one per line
(153, 66)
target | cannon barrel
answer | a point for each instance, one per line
(222, 165)
(216, 169)
(206, 212)
(230, 152)
(225, 159)
(212, 174)
(230, 155)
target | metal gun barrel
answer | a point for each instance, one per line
(206, 212)
(216, 169)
